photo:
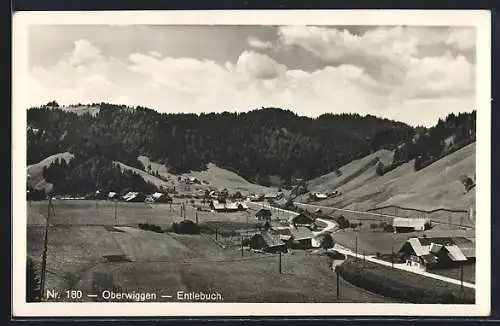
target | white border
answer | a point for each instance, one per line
(479, 19)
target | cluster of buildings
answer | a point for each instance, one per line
(298, 235)
(138, 197)
(438, 252)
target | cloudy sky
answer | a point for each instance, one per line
(411, 74)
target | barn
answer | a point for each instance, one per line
(403, 224)
(268, 242)
(301, 237)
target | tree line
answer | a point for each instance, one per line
(268, 146)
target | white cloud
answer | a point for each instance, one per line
(255, 80)
(258, 44)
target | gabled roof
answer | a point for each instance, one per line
(301, 233)
(455, 253)
(417, 247)
(232, 206)
(272, 240)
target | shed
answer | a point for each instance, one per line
(267, 242)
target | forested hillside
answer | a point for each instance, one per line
(265, 146)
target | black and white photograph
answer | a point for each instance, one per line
(252, 159)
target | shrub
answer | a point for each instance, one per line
(185, 227)
(373, 226)
(150, 227)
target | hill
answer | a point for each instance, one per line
(268, 146)
(212, 177)
(35, 171)
(438, 185)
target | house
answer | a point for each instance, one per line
(134, 197)
(273, 196)
(404, 224)
(301, 237)
(440, 252)
(318, 196)
(217, 206)
(112, 195)
(242, 206)
(232, 207)
(301, 220)
(263, 215)
(223, 206)
(256, 198)
(268, 242)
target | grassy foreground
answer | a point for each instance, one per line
(402, 285)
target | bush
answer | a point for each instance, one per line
(373, 226)
(185, 227)
(343, 222)
(150, 227)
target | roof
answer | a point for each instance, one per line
(232, 206)
(430, 259)
(409, 222)
(455, 253)
(466, 245)
(217, 205)
(157, 195)
(293, 218)
(301, 233)
(417, 247)
(271, 240)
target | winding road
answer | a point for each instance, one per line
(331, 227)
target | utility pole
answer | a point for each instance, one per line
(116, 206)
(45, 247)
(392, 256)
(280, 262)
(356, 245)
(364, 256)
(242, 245)
(196, 214)
(338, 285)
(215, 234)
(461, 280)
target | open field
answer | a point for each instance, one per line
(402, 285)
(88, 249)
(87, 212)
(435, 186)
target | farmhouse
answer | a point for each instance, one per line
(112, 195)
(318, 196)
(256, 198)
(267, 242)
(433, 253)
(134, 197)
(158, 197)
(223, 206)
(301, 220)
(273, 196)
(301, 237)
(263, 215)
(403, 224)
